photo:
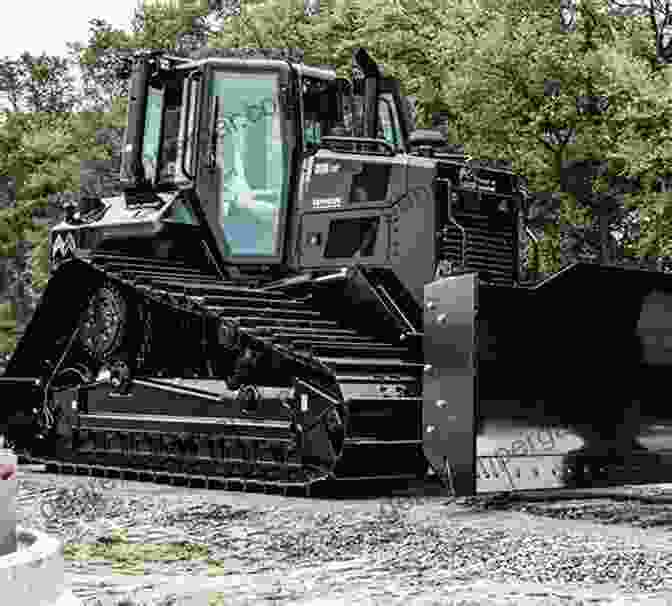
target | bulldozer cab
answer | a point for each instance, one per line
(236, 130)
(242, 132)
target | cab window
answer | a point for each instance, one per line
(312, 131)
(313, 121)
(386, 125)
(152, 136)
(252, 160)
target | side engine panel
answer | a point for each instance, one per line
(373, 209)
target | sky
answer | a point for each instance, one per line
(46, 25)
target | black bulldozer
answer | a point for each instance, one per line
(299, 287)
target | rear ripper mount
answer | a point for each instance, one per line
(281, 394)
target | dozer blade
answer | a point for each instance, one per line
(557, 386)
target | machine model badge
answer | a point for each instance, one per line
(64, 246)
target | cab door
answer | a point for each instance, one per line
(246, 141)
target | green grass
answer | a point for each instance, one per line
(130, 558)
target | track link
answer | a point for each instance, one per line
(192, 480)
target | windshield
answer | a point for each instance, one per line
(251, 159)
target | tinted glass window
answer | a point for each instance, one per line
(251, 159)
(386, 125)
(152, 135)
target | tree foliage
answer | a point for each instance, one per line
(37, 84)
(98, 61)
(396, 33)
(43, 152)
(42, 141)
(501, 107)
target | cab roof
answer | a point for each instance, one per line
(256, 57)
(305, 70)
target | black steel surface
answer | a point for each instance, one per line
(449, 380)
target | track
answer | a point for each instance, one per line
(286, 398)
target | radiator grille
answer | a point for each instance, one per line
(490, 245)
(489, 219)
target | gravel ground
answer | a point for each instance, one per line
(271, 549)
(605, 511)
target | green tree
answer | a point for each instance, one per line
(43, 151)
(99, 61)
(104, 56)
(396, 34)
(499, 95)
(37, 84)
(39, 92)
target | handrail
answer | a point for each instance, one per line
(400, 314)
(452, 219)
